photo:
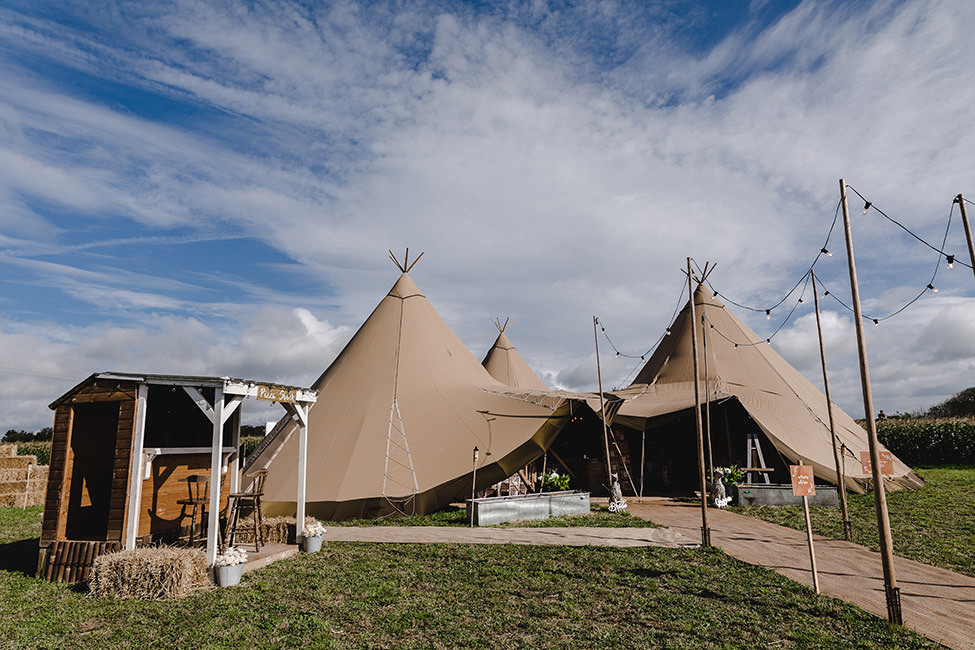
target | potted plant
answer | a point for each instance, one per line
(312, 535)
(229, 566)
(555, 482)
(731, 476)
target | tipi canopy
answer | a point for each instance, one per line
(789, 410)
(399, 414)
(507, 366)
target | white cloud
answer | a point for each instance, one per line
(546, 179)
(290, 346)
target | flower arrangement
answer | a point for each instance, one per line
(731, 474)
(313, 528)
(231, 556)
(554, 482)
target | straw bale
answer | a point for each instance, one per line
(276, 530)
(149, 573)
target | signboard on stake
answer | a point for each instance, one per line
(804, 485)
(886, 463)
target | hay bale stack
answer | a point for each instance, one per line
(276, 530)
(149, 573)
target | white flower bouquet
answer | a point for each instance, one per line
(232, 556)
(313, 528)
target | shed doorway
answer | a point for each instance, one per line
(92, 461)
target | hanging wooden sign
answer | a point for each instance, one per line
(276, 394)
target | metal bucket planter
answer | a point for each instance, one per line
(312, 544)
(227, 576)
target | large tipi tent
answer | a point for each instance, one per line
(744, 369)
(398, 416)
(505, 364)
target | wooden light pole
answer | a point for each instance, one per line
(840, 478)
(705, 530)
(960, 200)
(473, 486)
(880, 498)
(602, 405)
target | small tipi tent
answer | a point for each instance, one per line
(398, 416)
(507, 366)
(744, 369)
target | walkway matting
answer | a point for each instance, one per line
(578, 536)
(937, 603)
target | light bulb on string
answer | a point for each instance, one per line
(932, 288)
(866, 207)
(826, 253)
(668, 331)
(768, 314)
(951, 261)
(800, 301)
(876, 323)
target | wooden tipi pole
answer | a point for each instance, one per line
(968, 229)
(840, 479)
(894, 614)
(602, 405)
(705, 530)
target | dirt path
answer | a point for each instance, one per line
(937, 603)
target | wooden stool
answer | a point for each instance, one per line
(249, 498)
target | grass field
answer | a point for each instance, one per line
(599, 517)
(934, 525)
(355, 595)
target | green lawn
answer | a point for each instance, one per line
(599, 517)
(934, 525)
(354, 595)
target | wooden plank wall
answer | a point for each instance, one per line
(55, 506)
(120, 470)
(56, 476)
(159, 512)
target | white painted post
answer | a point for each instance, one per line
(216, 454)
(234, 470)
(302, 411)
(136, 468)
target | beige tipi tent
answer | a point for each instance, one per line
(398, 416)
(507, 366)
(748, 378)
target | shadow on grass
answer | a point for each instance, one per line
(20, 556)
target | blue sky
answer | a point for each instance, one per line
(211, 187)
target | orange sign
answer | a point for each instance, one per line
(886, 463)
(803, 483)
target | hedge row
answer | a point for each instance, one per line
(930, 441)
(40, 449)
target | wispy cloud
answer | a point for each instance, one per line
(553, 161)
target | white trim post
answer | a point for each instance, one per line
(216, 453)
(234, 466)
(301, 410)
(136, 468)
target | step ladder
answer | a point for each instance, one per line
(753, 452)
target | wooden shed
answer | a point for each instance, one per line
(123, 448)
